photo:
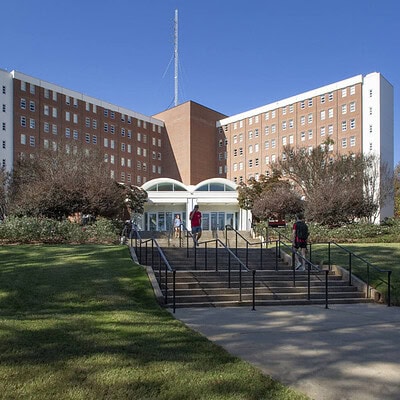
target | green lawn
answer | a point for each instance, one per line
(81, 322)
(385, 256)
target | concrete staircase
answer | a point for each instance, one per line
(208, 276)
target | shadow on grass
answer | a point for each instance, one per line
(80, 320)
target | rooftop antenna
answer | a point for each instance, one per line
(176, 57)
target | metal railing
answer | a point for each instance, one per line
(311, 268)
(261, 244)
(368, 265)
(163, 264)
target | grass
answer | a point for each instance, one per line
(385, 256)
(81, 322)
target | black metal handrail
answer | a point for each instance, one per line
(368, 264)
(310, 267)
(139, 242)
(248, 243)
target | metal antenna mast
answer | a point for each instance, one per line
(176, 58)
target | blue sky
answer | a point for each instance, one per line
(233, 55)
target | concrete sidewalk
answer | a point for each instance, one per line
(348, 351)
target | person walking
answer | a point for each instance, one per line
(300, 236)
(195, 219)
(177, 225)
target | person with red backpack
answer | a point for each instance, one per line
(300, 236)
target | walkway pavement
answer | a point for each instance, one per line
(348, 351)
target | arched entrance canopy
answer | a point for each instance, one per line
(216, 197)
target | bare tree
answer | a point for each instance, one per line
(64, 180)
(336, 189)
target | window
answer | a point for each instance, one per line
(267, 116)
(23, 86)
(322, 131)
(344, 126)
(240, 151)
(273, 143)
(330, 129)
(284, 141)
(322, 115)
(302, 120)
(330, 96)
(46, 127)
(112, 129)
(54, 129)
(32, 141)
(87, 138)
(291, 139)
(352, 141)
(284, 125)
(251, 121)
(330, 113)
(32, 88)
(87, 122)
(22, 104)
(23, 139)
(291, 123)
(256, 133)
(112, 144)
(310, 118)
(266, 145)
(322, 99)
(235, 139)
(32, 106)
(94, 123)
(250, 134)
(283, 110)
(353, 107)
(54, 96)
(67, 132)
(344, 143)
(352, 90)
(266, 130)
(303, 136)
(3, 126)
(123, 147)
(344, 108)
(310, 102)
(105, 127)
(67, 116)
(67, 100)
(310, 134)
(250, 149)
(4, 90)
(302, 105)
(291, 108)
(250, 163)
(75, 134)
(75, 103)
(344, 92)
(241, 137)
(105, 112)
(23, 122)
(352, 123)
(54, 112)
(75, 118)
(273, 128)
(105, 142)
(273, 114)
(94, 139)
(112, 114)
(256, 148)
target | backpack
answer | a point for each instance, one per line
(301, 231)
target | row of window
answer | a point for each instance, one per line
(290, 108)
(68, 101)
(345, 142)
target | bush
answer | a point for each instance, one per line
(387, 232)
(45, 230)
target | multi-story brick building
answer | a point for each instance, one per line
(191, 143)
